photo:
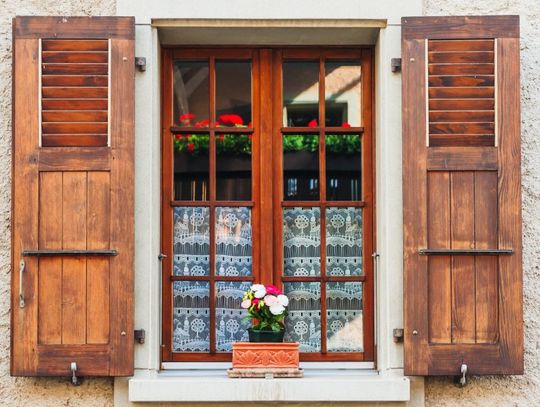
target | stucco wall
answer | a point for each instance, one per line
(31, 391)
(518, 390)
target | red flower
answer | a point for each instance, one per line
(255, 301)
(221, 136)
(202, 123)
(345, 125)
(250, 124)
(250, 136)
(313, 123)
(272, 290)
(186, 117)
(178, 136)
(191, 147)
(230, 120)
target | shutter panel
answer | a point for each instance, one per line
(462, 198)
(72, 213)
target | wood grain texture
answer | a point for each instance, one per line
(75, 69)
(74, 80)
(75, 104)
(463, 80)
(74, 57)
(74, 45)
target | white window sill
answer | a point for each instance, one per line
(316, 385)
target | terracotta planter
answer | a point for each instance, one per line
(265, 358)
(265, 336)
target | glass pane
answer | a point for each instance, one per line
(343, 90)
(233, 167)
(191, 93)
(302, 241)
(301, 167)
(229, 324)
(344, 241)
(344, 320)
(343, 167)
(233, 242)
(191, 316)
(301, 93)
(191, 167)
(303, 322)
(233, 93)
(191, 241)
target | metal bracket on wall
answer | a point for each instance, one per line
(461, 381)
(397, 333)
(395, 64)
(140, 64)
(140, 335)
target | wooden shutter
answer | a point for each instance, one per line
(462, 199)
(72, 214)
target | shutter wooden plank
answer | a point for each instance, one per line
(74, 268)
(461, 104)
(440, 288)
(461, 69)
(458, 57)
(98, 237)
(461, 93)
(459, 116)
(472, 80)
(453, 45)
(485, 230)
(66, 191)
(458, 140)
(462, 128)
(50, 269)
(462, 232)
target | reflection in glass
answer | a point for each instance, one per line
(303, 322)
(344, 322)
(191, 167)
(343, 89)
(233, 167)
(301, 167)
(302, 241)
(301, 93)
(191, 93)
(344, 241)
(233, 93)
(229, 324)
(233, 241)
(191, 243)
(191, 316)
(343, 167)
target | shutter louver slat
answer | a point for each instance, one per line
(461, 191)
(72, 182)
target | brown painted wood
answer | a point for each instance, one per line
(76, 93)
(461, 93)
(74, 116)
(472, 184)
(74, 128)
(74, 80)
(75, 104)
(439, 267)
(75, 69)
(458, 57)
(73, 198)
(74, 45)
(74, 57)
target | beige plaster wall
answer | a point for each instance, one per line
(517, 390)
(33, 391)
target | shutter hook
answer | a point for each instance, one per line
(74, 379)
(463, 379)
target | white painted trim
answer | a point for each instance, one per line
(271, 23)
(303, 365)
(314, 386)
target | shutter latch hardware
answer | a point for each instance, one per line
(140, 335)
(22, 302)
(398, 335)
(395, 64)
(140, 64)
(461, 381)
(74, 379)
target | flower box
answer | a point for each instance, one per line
(263, 359)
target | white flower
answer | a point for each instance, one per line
(283, 300)
(277, 309)
(259, 291)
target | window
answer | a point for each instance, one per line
(267, 176)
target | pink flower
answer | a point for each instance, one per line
(246, 304)
(273, 290)
(255, 301)
(313, 123)
(270, 300)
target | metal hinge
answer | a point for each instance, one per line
(140, 64)
(397, 333)
(139, 335)
(395, 64)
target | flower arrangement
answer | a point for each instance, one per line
(267, 305)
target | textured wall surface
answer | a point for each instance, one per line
(517, 390)
(33, 391)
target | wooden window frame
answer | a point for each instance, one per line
(267, 202)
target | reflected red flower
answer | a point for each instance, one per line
(221, 136)
(345, 125)
(202, 123)
(186, 117)
(178, 136)
(313, 123)
(230, 120)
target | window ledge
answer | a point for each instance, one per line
(316, 385)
